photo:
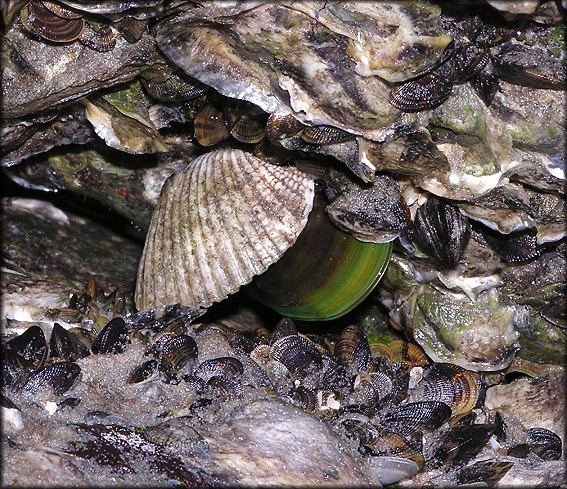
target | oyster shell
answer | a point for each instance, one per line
(220, 222)
(344, 86)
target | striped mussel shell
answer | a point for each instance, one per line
(298, 354)
(219, 367)
(417, 416)
(352, 348)
(383, 442)
(51, 26)
(456, 386)
(56, 379)
(209, 126)
(61, 11)
(371, 388)
(325, 135)
(179, 353)
(113, 339)
(399, 352)
(544, 443)
(100, 37)
(224, 219)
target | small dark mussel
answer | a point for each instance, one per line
(209, 126)
(441, 231)
(426, 92)
(56, 378)
(65, 346)
(178, 355)
(113, 338)
(175, 88)
(488, 471)
(417, 416)
(214, 367)
(225, 386)
(325, 135)
(516, 247)
(31, 345)
(143, 372)
(245, 122)
(352, 348)
(285, 327)
(462, 443)
(100, 37)
(544, 443)
(297, 354)
(382, 442)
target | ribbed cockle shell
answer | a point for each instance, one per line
(224, 219)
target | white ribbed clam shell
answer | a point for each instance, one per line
(224, 219)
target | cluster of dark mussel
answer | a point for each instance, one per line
(387, 399)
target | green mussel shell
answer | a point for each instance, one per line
(324, 275)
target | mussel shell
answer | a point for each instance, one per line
(322, 292)
(468, 61)
(486, 85)
(390, 470)
(281, 126)
(435, 386)
(30, 345)
(305, 398)
(132, 29)
(406, 354)
(417, 416)
(41, 21)
(285, 327)
(65, 346)
(113, 338)
(227, 217)
(441, 231)
(462, 443)
(352, 348)
(371, 388)
(487, 471)
(209, 126)
(297, 353)
(246, 123)
(426, 92)
(325, 135)
(544, 443)
(143, 372)
(226, 386)
(515, 247)
(101, 39)
(383, 442)
(528, 66)
(215, 367)
(174, 89)
(14, 367)
(178, 352)
(467, 392)
(56, 378)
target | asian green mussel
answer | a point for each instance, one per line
(430, 139)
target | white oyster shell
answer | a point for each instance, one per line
(224, 219)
